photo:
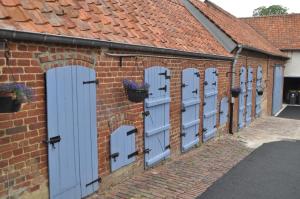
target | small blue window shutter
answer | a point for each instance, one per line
(224, 111)
(190, 108)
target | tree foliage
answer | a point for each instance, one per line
(271, 10)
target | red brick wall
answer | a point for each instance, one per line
(23, 156)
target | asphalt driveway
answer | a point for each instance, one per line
(272, 171)
(290, 112)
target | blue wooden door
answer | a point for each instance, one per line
(72, 134)
(156, 115)
(210, 103)
(224, 106)
(277, 89)
(241, 121)
(249, 96)
(190, 108)
(259, 79)
(122, 147)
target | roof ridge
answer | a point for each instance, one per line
(270, 16)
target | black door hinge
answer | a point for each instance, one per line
(53, 140)
(182, 134)
(215, 126)
(183, 85)
(99, 180)
(91, 82)
(145, 113)
(114, 156)
(215, 72)
(167, 147)
(196, 135)
(197, 74)
(165, 74)
(133, 154)
(147, 150)
(195, 91)
(205, 83)
(221, 112)
(215, 83)
(204, 130)
(204, 103)
(132, 131)
(163, 88)
(183, 109)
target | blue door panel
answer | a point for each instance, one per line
(224, 111)
(122, 146)
(277, 89)
(259, 79)
(249, 96)
(157, 121)
(210, 103)
(190, 108)
(63, 119)
(241, 119)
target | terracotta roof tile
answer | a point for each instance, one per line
(238, 30)
(157, 23)
(282, 30)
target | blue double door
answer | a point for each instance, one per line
(190, 108)
(259, 79)
(72, 133)
(277, 89)
(157, 116)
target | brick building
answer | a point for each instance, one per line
(283, 31)
(60, 48)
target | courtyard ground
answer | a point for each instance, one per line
(192, 173)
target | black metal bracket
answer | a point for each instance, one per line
(147, 150)
(167, 147)
(146, 113)
(53, 140)
(99, 180)
(215, 72)
(163, 88)
(215, 83)
(132, 131)
(114, 156)
(196, 135)
(204, 130)
(133, 154)
(165, 74)
(182, 134)
(195, 91)
(197, 74)
(91, 82)
(221, 112)
(215, 126)
(204, 103)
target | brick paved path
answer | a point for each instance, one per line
(187, 176)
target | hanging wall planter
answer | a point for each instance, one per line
(12, 95)
(135, 92)
(235, 92)
(260, 91)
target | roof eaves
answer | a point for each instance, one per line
(264, 52)
(68, 40)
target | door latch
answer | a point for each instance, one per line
(53, 140)
(114, 156)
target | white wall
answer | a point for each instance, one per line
(292, 68)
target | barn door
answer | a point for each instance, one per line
(224, 111)
(72, 134)
(156, 115)
(259, 77)
(249, 96)
(190, 108)
(210, 103)
(241, 122)
(277, 89)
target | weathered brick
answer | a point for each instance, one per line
(15, 130)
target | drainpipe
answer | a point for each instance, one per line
(233, 73)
